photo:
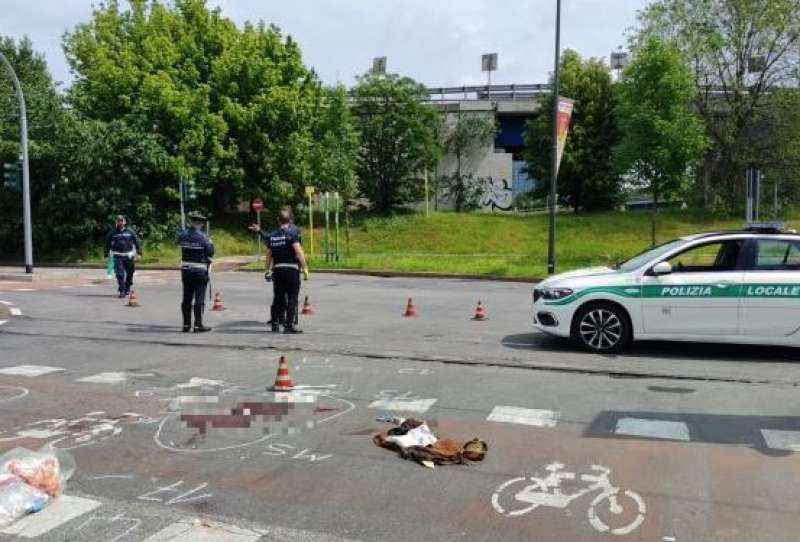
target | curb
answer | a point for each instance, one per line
(414, 275)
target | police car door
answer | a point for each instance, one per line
(772, 289)
(701, 294)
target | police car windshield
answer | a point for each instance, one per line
(647, 256)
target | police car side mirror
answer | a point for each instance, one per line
(661, 268)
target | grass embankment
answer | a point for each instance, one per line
(505, 245)
(470, 243)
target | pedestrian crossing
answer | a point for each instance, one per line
(781, 433)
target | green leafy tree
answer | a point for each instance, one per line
(662, 137)
(586, 180)
(337, 144)
(230, 107)
(463, 137)
(47, 126)
(740, 52)
(399, 138)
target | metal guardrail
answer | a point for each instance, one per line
(488, 92)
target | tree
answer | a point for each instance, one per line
(47, 126)
(335, 153)
(586, 181)
(662, 138)
(740, 52)
(231, 108)
(462, 139)
(399, 138)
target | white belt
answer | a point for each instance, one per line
(289, 265)
(130, 254)
(194, 265)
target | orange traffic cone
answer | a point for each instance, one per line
(218, 304)
(133, 301)
(411, 310)
(282, 380)
(308, 310)
(480, 312)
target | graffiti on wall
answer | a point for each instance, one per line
(496, 195)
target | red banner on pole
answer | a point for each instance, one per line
(565, 106)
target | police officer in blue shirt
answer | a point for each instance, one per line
(196, 253)
(285, 261)
(123, 245)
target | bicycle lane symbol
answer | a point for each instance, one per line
(520, 496)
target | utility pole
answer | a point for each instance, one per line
(551, 240)
(26, 182)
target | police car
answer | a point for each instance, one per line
(728, 287)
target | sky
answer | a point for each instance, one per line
(437, 42)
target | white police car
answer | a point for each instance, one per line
(728, 287)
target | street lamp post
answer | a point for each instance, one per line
(26, 185)
(551, 241)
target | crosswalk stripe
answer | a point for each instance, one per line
(15, 311)
(662, 429)
(58, 512)
(523, 416)
(403, 405)
(782, 440)
(105, 378)
(205, 531)
(29, 370)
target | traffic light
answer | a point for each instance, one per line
(12, 175)
(189, 190)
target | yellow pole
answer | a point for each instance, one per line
(311, 223)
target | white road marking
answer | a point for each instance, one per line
(105, 378)
(29, 370)
(403, 405)
(662, 429)
(782, 440)
(24, 289)
(6, 303)
(205, 531)
(15, 311)
(58, 512)
(523, 416)
(3, 322)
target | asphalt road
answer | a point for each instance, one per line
(668, 442)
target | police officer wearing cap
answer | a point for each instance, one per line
(123, 245)
(285, 261)
(196, 253)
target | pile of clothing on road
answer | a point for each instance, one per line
(30, 480)
(413, 439)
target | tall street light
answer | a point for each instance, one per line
(551, 240)
(26, 186)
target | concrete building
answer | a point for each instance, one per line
(498, 167)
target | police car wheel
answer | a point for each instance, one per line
(601, 327)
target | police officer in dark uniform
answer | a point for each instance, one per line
(123, 245)
(274, 319)
(196, 253)
(285, 261)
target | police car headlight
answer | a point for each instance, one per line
(556, 293)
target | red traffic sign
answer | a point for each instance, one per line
(258, 204)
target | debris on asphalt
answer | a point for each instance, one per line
(412, 439)
(18, 499)
(30, 479)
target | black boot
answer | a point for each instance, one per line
(187, 317)
(274, 322)
(198, 320)
(291, 329)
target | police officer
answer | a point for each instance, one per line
(196, 253)
(123, 245)
(285, 261)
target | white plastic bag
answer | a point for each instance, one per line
(18, 499)
(419, 436)
(46, 470)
